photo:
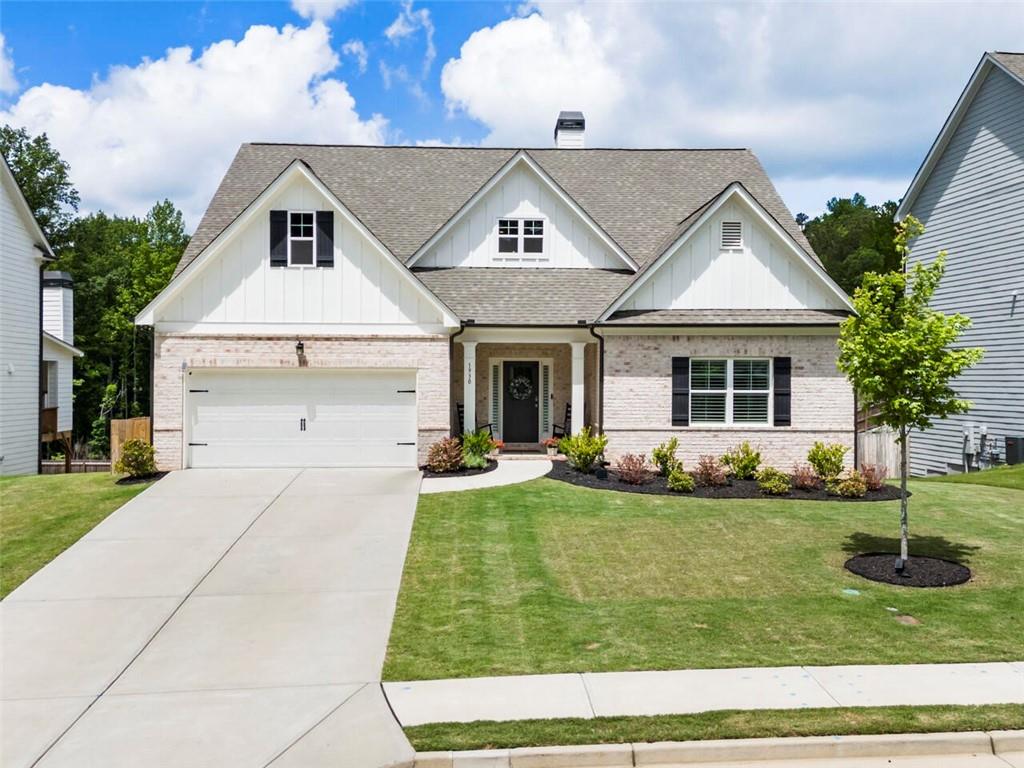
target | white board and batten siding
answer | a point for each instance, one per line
(972, 206)
(763, 274)
(240, 287)
(570, 241)
(19, 339)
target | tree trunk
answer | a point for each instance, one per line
(904, 535)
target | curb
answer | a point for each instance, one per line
(732, 750)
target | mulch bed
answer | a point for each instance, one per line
(918, 572)
(491, 466)
(736, 489)
(140, 479)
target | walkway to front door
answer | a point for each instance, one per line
(521, 401)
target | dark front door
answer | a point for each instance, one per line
(520, 398)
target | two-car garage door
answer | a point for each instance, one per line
(300, 418)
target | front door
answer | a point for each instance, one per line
(521, 400)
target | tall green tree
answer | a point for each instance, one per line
(899, 353)
(45, 180)
(853, 238)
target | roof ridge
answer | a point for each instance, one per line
(498, 149)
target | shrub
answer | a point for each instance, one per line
(583, 449)
(445, 455)
(136, 459)
(773, 482)
(477, 444)
(804, 477)
(850, 486)
(874, 475)
(633, 468)
(473, 460)
(680, 481)
(827, 459)
(710, 472)
(742, 461)
(664, 457)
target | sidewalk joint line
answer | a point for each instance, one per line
(821, 685)
(586, 690)
(315, 725)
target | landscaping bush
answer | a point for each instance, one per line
(473, 460)
(827, 459)
(850, 486)
(664, 457)
(874, 475)
(680, 481)
(804, 477)
(710, 472)
(583, 449)
(136, 459)
(445, 455)
(633, 468)
(773, 482)
(742, 461)
(477, 444)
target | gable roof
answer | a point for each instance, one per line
(22, 206)
(403, 195)
(1010, 63)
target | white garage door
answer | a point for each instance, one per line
(301, 418)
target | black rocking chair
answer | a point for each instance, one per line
(460, 418)
(565, 428)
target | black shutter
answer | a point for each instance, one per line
(782, 374)
(279, 238)
(680, 391)
(325, 238)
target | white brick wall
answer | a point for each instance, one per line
(638, 396)
(428, 354)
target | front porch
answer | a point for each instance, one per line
(526, 383)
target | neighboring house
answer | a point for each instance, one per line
(25, 344)
(350, 305)
(58, 353)
(969, 194)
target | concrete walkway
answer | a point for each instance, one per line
(604, 694)
(509, 471)
(220, 618)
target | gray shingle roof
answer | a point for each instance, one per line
(405, 194)
(728, 317)
(1012, 61)
(508, 296)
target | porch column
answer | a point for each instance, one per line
(469, 385)
(577, 385)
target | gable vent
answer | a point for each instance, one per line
(732, 234)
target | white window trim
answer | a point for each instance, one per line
(303, 239)
(730, 391)
(521, 256)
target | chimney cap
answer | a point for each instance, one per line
(57, 279)
(570, 120)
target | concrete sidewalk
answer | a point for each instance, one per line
(609, 694)
(509, 472)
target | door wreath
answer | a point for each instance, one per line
(520, 387)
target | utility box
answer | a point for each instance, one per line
(1015, 450)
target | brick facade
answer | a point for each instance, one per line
(428, 354)
(638, 396)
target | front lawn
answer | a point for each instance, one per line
(1000, 477)
(547, 577)
(42, 515)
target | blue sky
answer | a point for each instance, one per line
(151, 99)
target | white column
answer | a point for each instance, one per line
(577, 385)
(469, 384)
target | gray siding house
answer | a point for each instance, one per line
(969, 194)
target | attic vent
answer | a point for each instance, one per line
(732, 235)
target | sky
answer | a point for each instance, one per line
(150, 100)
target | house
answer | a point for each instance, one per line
(969, 194)
(30, 403)
(350, 305)
(59, 351)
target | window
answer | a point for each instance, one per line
(730, 391)
(520, 239)
(732, 235)
(301, 238)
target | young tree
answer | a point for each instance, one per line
(898, 353)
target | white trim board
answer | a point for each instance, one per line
(733, 190)
(523, 157)
(208, 254)
(291, 329)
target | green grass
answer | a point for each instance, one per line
(547, 577)
(42, 515)
(730, 724)
(1000, 477)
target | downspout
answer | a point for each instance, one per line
(152, 380)
(600, 377)
(856, 432)
(39, 377)
(451, 362)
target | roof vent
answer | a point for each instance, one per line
(569, 130)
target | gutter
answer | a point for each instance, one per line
(451, 361)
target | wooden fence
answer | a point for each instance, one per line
(879, 446)
(77, 465)
(123, 430)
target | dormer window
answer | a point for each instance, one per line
(732, 235)
(520, 239)
(301, 238)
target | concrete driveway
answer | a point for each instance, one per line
(220, 618)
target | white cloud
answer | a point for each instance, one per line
(322, 10)
(170, 126)
(407, 24)
(819, 91)
(8, 82)
(357, 50)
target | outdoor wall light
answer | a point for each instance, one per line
(300, 348)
